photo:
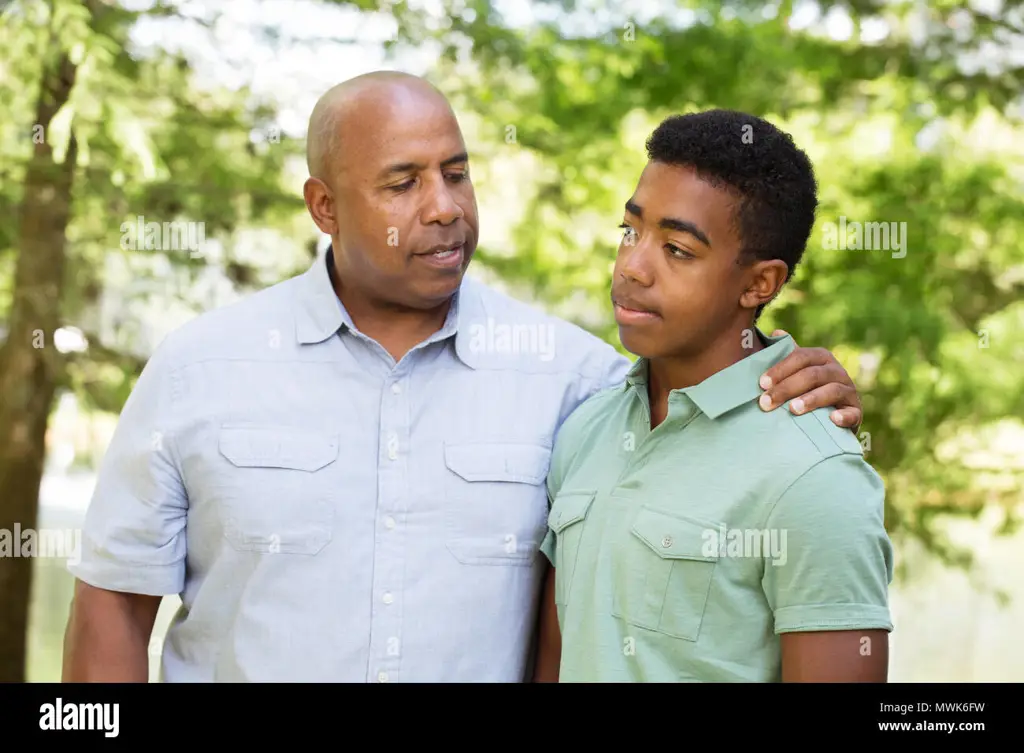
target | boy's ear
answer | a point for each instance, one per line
(766, 280)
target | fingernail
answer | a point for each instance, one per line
(765, 402)
(798, 405)
(766, 382)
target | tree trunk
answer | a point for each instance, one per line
(30, 367)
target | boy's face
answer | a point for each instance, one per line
(677, 286)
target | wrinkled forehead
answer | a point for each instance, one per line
(395, 127)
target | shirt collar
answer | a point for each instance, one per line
(320, 314)
(730, 387)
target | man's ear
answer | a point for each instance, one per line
(320, 203)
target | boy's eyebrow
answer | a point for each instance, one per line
(671, 223)
(405, 167)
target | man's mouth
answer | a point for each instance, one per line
(446, 255)
(444, 251)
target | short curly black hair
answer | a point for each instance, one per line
(770, 176)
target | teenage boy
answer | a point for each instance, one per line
(695, 537)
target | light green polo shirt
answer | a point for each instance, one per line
(681, 554)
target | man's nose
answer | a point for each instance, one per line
(441, 206)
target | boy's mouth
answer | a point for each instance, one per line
(631, 311)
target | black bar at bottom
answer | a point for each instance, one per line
(108, 716)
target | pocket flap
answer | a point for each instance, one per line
(277, 447)
(677, 537)
(499, 461)
(569, 508)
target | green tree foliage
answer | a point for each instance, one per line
(931, 337)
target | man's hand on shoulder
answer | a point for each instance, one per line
(812, 378)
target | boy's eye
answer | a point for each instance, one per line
(678, 252)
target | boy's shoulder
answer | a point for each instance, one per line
(582, 430)
(823, 438)
(593, 412)
(789, 454)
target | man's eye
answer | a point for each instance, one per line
(627, 230)
(402, 186)
(457, 177)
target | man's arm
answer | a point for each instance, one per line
(107, 637)
(133, 539)
(549, 638)
(838, 656)
(828, 584)
(812, 378)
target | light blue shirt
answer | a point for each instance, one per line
(328, 515)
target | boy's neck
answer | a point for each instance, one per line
(678, 372)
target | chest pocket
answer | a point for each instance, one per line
(274, 494)
(496, 501)
(663, 571)
(568, 513)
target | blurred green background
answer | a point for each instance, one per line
(196, 112)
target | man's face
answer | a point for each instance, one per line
(405, 207)
(676, 285)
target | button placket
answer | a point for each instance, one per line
(389, 550)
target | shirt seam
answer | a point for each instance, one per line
(174, 377)
(121, 563)
(784, 492)
(831, 604)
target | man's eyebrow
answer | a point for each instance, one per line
(402, 167)
(671, 223)
(405, 167)
(460, 157)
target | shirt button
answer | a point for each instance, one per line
(393, 447)
(389, 522)
(396, 388)
(382, 677)
(388, 598)
(666, 542)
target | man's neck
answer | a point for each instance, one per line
(398, 329)
(678, 372)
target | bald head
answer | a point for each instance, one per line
(389, 182)
(356, 103)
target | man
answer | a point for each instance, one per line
(343, 475)
(694, 537)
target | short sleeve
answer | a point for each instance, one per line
(556, 472)
(133, 539)
(547, 546)
(836, 559)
